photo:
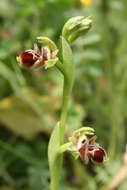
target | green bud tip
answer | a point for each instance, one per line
(76, 27)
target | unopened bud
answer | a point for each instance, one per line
(76, 27)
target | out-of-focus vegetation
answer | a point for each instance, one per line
(30, 101)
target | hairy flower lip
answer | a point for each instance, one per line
(97, 154)
(28, 58)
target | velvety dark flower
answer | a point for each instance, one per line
(36, 58)
(88, 149)
(83, 146)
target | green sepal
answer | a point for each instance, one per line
(83, 132)
(69, 147)
(47, 42)
(50, 63)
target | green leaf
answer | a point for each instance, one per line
(67, 60)
(66, 53)
(55, 160)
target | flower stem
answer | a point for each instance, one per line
(66, 95)
(67, 89)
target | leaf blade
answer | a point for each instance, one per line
(55, 160)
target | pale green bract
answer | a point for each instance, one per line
(55, 162)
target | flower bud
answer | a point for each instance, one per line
(76, 27)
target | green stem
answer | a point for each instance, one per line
(66, 95)
(67, 89)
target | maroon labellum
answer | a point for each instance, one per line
(28, 58)
(88, 149)
(96, 154)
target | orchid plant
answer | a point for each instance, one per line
(82, 142)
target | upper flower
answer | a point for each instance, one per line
(35, 58)
(28, 58)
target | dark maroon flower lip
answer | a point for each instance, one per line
(97, 154)
(88, 149)
(28, 58)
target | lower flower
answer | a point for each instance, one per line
(86, 147)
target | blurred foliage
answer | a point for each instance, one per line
(30, 101)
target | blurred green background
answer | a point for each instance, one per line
(30, 101)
